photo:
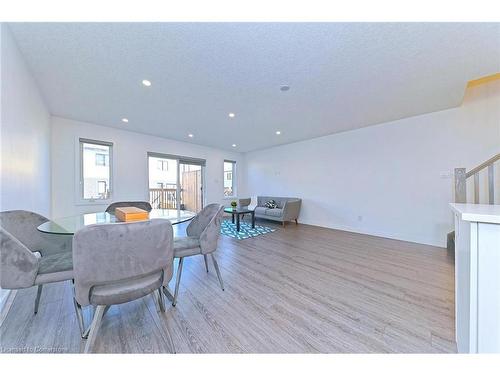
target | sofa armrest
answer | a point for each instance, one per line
(291, 210)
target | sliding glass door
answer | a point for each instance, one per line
(191, 185)
(163, 183)
(175, 182)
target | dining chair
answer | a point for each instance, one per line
(139, 204)
(121, 262)
(30, 257)
(244, 202)
(202, 236)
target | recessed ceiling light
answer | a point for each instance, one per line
(190, 135)
(278, 132)
(145, 82)
(284, 87)
(124, 119)
(232, 115)
(234, 145)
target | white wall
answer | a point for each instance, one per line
(25, 137)
(384, 180)
(130, 172)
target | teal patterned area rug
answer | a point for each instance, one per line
(246, 230)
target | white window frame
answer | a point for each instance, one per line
(233, 179)
(79, 176)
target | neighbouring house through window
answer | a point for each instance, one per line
(162, 165)
(95, 174)
(100, 159)
(229, 183)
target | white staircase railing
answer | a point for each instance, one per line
(461, 177)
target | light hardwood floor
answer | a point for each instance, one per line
(299, 289)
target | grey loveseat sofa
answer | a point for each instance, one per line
(288, 209)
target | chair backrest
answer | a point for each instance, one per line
(206, 225)
(139, 204)
(243, 202)
(121, 252)
(23, 226)
(202, 219)
(19, 266)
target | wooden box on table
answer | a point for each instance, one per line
(131, 214)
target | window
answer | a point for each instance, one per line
(162, 165)
(229, 185)
(95, 174)
(100, 159)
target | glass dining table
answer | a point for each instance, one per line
(71, 224)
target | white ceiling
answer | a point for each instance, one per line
(342, 75)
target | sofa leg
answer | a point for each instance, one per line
(296, 222)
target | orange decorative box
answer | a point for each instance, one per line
(131, 214)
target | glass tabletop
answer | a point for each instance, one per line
(238, 210)
(71, 224)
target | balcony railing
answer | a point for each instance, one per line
(190, 191)
(163, 198)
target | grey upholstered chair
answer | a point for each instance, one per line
(139, 204)
(202, 236)
(121, 262)
(244, 202)
(30, 257)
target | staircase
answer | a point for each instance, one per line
(461, 176)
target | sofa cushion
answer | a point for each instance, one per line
(277, 212)
(271, 204)
(260, 211)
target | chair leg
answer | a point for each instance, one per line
(161, 301)
(37, 299)
(79, 314)
(94, 327)
(106, 310)
(86, 332)
(206, 261)
(79, 317)
(296, 222)
(168, 293)
(179, 272)
(216, 266)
